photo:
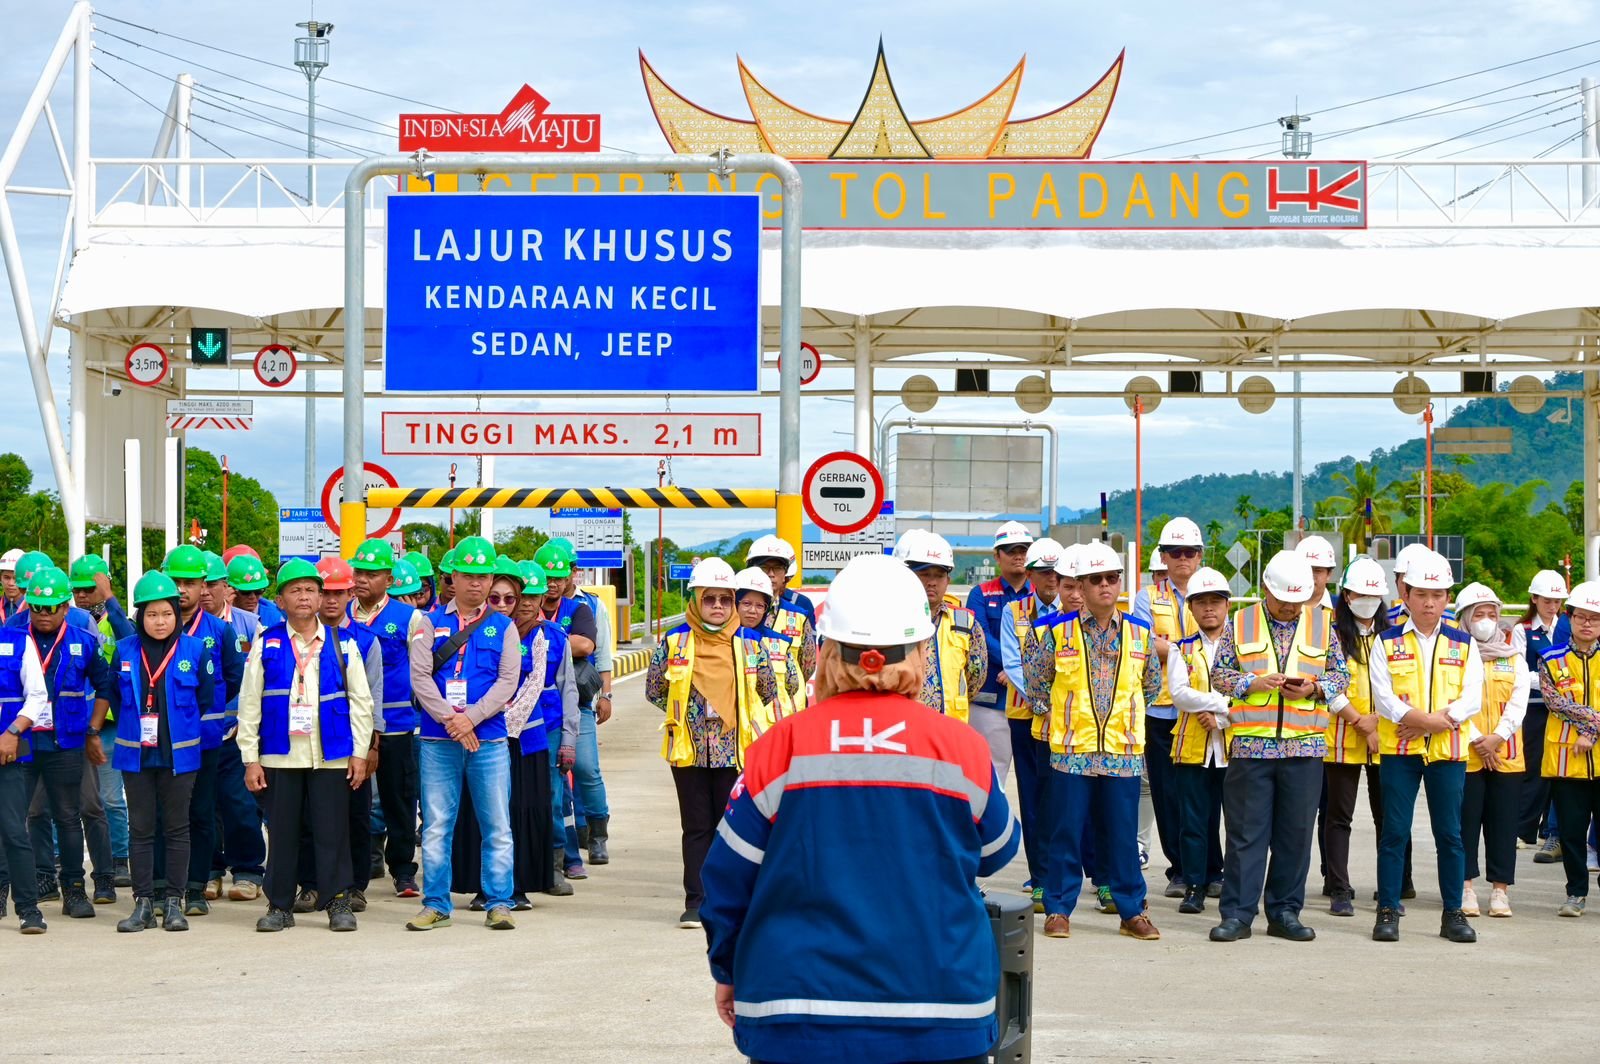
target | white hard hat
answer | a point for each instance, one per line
(712, 572)
(1207, 581)
(1157, 565)
(1586, 596)
(752, 579)
(875, 601)
(1096, 557)
(1410, 551)
(1180, 532)
(1475, 594)
(1547, 583)
(1288, 577)
(1430, 571)
(1365, 577)
(1066, 565)
(1011, 533)
(1318, 551)
(771, 547)
(920, 547)
(9, 560)
(1044, 554)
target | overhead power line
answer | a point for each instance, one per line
(156, 107)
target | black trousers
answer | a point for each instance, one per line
(1576, 801)
(1342, 784)
(702, 799)
(57, 775)
(1163, 790)
(1271, 807)
(14, 794)
(321, 798)
(156, 796)
(1490, 806)
(1535, 787)
(1198, 791)
(399, 791)
(360, 832)
(202, 829)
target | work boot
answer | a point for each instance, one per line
(122, 875)
(1288, 926)
(358, 901)
(1387, 928)
(599, 832)
(1453, 925)
(142, 918)
(1194, 901)
(175, 920)
(561, 888)
(105, 889)
(276, 919)
(1230, 930)
(48, 890)
(340, 918)
(306, 901)
(75, 901)
(195, 904)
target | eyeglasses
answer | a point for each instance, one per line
(502, 600)
(1181, 552)
(1097, 579)
(49, 611)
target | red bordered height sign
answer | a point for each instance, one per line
(333, 497)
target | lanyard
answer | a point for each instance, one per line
(356, 611)
(461, 655)
(299, 662)
(152, 678)
(44, 659)
(194, 625)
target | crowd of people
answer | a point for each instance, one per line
(227, 743)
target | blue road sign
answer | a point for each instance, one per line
(679, 572)
(548, 293)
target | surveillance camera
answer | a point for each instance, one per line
(116, 389)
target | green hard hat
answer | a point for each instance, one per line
(447, 564)
(85, 569)
(31, 563)
(564, 545)
(374, 554)
(419, 564)
(247, 574)
(185, 563)
(406, 580)
(48, 587)
(153, 587)
(216, 569)
(506, 567)
(474, 555)
(554, 559)
(533, 578)
(297, 569)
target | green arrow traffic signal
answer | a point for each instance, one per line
(208, 347)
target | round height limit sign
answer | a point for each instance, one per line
(842, 492)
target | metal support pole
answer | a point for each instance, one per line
(1591, 475)
(311, 143)
(486, 479)
(1299, 477)
(78, 426)
(133, 514)
(1427, 483)
(171, 503)
(311, 493)
(649, 596)
(353, 512)
(1138, 494)
(1587, 142)
(863, 389)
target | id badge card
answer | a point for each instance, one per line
(149, 729)
(455, 692)
(300, 717)
(46, 721)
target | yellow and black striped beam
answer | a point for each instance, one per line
(666, 498)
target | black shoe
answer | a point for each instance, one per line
(275, 920)
(1387, 929)
(358, 901)
(1288, 926)
(376, 869)
(142, 918)
(195, 904)
(1343, 904)
(1453, 925)
(175, 920)
(690, 919)
(1214, 890)
(105, 889)
(340, 918)
(75, 901)
(1407, 891)
(32, 922)
(561, 889)
(48, 890)
(599, 832)
(5, 891)
(1194, 901)
(520, 903)
(306, 901)
(1175, 888)
(1401, 909)
(1230, 930)
(120, 874)
(478, 902)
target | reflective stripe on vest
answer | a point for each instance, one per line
(1076, 727)
(755, 717)
(1449, 675)
(1020, 614)
(1571, 673)
(1189, 737)
(1499, 678)
(952, 646)
(1270, 714)
(1346, 745)
(332, 723)
(780, 653)
(1167, 619)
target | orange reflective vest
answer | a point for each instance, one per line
(1499, 679)
(1570, 672)
(1075, 725)
(1346, 745)
(1403, 651)
(1171, 621)
(1272, 714)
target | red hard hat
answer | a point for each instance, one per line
(336, 574)
(238, 549)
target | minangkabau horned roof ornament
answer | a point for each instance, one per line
(880, 129)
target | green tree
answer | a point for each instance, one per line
(520, 542)
(1244, 508)
(252, 510)
(1572, 506)
(1361, 488)
(1505, 544)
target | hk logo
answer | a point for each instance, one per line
(1293, 589)
(1316, 195)
(870, 741)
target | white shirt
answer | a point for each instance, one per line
(1386, 702)
(1364, 628)
(1517, 705)
(1185, 699)
(35, 696)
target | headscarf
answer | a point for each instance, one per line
(715, 672)
(155, 650)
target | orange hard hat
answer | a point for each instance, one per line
(336, 574)
(238, 549)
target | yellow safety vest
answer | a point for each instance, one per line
(1346, 745)
(1170, 621)
(1404, 653)
(1074, 725)
(755, 716)
(1561, 758)
(1271, 714)
(1189, 738)
(1021, 615)
(781, 653)
(952, 645)
(792, 623)
(1499, 677)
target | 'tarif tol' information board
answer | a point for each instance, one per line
(546, 293)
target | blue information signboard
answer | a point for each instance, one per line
(678, 571)
(549, 293)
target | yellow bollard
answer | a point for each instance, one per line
(790, 521)
(352, 528)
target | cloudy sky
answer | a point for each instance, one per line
(1193, 72)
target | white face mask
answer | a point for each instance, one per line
(1365, 606)
(1485, 630)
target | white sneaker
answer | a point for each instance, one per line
(1499, 903)
(1572, 906)
(1594, 860)
(1469, 901)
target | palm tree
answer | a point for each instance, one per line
(1244, 508)
(1361, 490)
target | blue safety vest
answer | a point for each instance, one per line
(390, 626)
(182, 680)
(68, 684)
(13, 649)
(218, 718)
(550, 698)
(277, 675)
(479, 662)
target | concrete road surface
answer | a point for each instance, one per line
(606, 976)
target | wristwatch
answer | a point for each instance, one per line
(12, 729)
(605, 695)
(92, 731)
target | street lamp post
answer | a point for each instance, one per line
(311, 56)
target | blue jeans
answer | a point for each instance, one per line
(1107, 806)
(116, 804)
(445, 764)
(1445, 780)
(586, 769)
